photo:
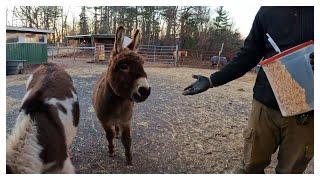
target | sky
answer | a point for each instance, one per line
(241, 17)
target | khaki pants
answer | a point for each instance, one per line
(267, 130)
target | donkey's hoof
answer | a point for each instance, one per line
(129, 160)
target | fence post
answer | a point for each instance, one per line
(177, 56)
(218, 65)
(95, 53)
(58, 51)
(52, 53)
(154, 53)
(74, 53)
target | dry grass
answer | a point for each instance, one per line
(16, 79)
(12, 103)
(205, 127)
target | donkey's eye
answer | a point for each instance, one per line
(123, 66)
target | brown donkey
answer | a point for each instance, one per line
(115, 92)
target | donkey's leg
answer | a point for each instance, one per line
(117, 131)
(109, 129)
(68, 168)
(126, 141)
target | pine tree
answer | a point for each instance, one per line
(83, 24)
(96, 20)
(105, 20)
(222, 19)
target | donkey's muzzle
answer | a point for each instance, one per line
(142, 95)
(141, 90)
(144, 92)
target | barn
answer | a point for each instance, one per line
(89, 40)
(27, 44)
(102, 42)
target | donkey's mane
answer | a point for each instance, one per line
(128, 53)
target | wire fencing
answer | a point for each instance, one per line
(101, 52)
(71, 52)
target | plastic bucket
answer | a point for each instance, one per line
(291, 78)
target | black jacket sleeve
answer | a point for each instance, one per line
(248, 57)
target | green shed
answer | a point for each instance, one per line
(27, 44)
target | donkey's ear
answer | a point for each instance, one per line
(118, 43)
(135, 40)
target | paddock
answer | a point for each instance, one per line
(171, 133)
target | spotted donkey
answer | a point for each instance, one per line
(46, 124)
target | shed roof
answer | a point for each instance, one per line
(126, 40)
(26, 29)
(91, 35)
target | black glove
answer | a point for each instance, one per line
(304, 119)
(311, 60)
(202, 84)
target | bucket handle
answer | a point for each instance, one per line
(273, 44)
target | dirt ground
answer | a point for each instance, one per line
(171, 133)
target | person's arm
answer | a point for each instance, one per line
(248, 57)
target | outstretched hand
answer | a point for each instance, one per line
(202, 84)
